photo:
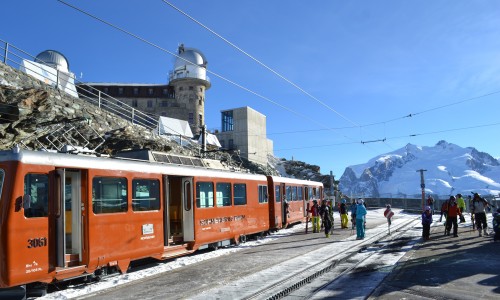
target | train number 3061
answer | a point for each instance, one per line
(37, 242)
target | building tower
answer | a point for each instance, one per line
(190, 81)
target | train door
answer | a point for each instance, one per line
(285, 205)
(188, 211)
(179, 209)
(68, 218)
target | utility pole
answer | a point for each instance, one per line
(422, 185)
(332, 187)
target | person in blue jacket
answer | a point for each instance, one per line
(360, 220)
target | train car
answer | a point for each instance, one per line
(64, 216)
(290, 199)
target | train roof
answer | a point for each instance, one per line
(65, 160)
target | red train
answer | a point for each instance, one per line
(64, 216)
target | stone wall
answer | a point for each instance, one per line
(29, 109)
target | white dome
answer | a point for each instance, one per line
(53, 59)
(190, 63)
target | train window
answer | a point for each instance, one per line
(204, 194)
(240, 194)
(277, 192)
(288, 193)
(262, 194)
(311, 194)
(300, 195)
(294, 193)
(223, 194)
(145, 194)
(37, 187)
(109, 195)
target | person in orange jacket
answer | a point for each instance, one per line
(453, 213)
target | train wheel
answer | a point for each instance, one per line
(36, 290)
(243, 238)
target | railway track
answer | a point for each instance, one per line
(287, 265)
(305, 275)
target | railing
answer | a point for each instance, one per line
(13, 56)
(415, 204)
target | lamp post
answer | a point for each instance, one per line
(422, 185)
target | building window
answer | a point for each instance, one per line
(181, 88)
(227, 121)
(134, 103)
(190, 88)
(150, 103)
(191, 118)
(164, 103)
(222, 144)
(165, 92)
(150, 92)
(200, 119)
(200, 102)
(136, 91)
(230, 144)
(201, 89)
(106, 90)
(163, 113)
(120, 91)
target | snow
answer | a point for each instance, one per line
(78, 291)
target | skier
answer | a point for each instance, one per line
(360, 220)
(388, 213)
(426, 223)
(327, 221)
(314, 210)
(453, 212)
(461, 205)
(496, 225)
(343, 214)
(479, 204)
(353, 213)
(444, 211)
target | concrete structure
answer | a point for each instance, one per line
(244, 129)
(182, 98)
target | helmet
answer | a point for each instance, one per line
(459, 195)
(452, 198)
(360, 201)
(428, 208)
(344, 201)
(388, 206)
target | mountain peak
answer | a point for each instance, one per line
(449, 169)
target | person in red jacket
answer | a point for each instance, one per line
(453, 213)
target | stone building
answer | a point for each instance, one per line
(182, 98)
(244, 129)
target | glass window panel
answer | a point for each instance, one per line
(262, 194)
(204, 194)
(146, 194)
(109, 195)
(294, 193)
(288, 193)
(240, 194)
(277, 192)
(223, 195)
(300, 194)
(36, 186)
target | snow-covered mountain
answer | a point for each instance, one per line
(450, 169)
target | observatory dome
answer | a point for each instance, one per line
(53, 59)
(189, 54)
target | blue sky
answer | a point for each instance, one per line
(352, 64)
